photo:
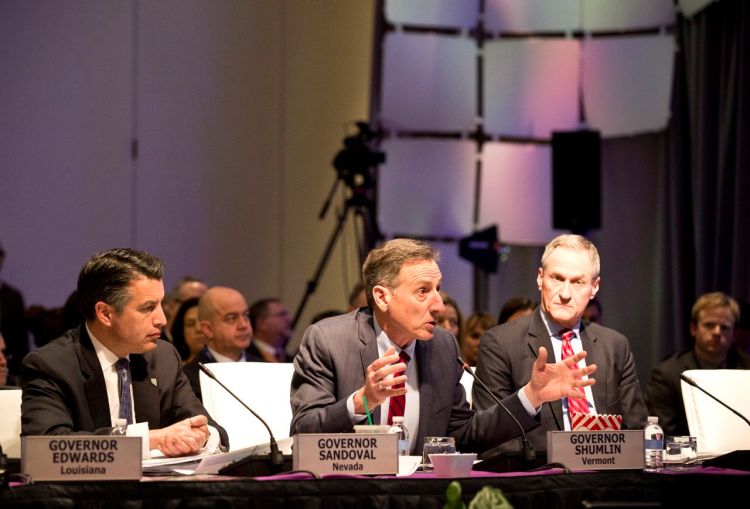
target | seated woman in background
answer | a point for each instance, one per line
(474, 328)
(450, 319)
(187, 335)
(515, 308)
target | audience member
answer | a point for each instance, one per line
(225, 320)
(742, 329)
(392, 359)
(187, 333)
(114, 365)
(272, 326)
(6, 379)
(712, 326)
(357, 297)
(12, 322)
(450, 318)
(187, 287)
(474, 328)
(71, 316)
(593, 312)
(567, 279)
(515, 308)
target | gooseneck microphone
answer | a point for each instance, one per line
(529, 453)
(692, 382)
(277, 459)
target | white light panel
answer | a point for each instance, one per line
(531, 86)
(526, 16)
(627, 83)
(440, 13)
(691, 7)
(426, 187)
(429, 83)
(516, 192)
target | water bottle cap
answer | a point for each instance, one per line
(121, 422)
(652, 419)
(397, 419)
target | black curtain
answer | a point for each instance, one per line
(706, 226)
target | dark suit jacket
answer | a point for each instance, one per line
(507, 352)
(13, 326)
(64, 391)
(332, 363)
(664, 391)
(192, 370)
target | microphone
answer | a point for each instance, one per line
(690, 381)
(276, 457)
(529, 454)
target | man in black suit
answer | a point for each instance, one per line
(225, 320)
(114, 365)
(394, 348)
(714, 318)
(567, 279)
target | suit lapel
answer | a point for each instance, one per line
(145, 393)
(93, 386)
(539, 336)
(590, 344)
(369, 351)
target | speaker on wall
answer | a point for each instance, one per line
(576, 180)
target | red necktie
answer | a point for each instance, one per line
(577, 405)
(398, 403)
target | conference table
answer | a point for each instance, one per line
(547, 488)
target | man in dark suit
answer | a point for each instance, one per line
(272, 328)
(114, 365)
(393, 349)
(714, 318)
(568, 279)
(225, 320)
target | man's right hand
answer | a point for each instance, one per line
(181, 438)
(378, 386)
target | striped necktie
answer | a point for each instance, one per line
(577, 405)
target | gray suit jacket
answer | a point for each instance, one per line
(64, 391)
(332, 363)
(507, 352)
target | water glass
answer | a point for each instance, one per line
(436, 445)
(680, 449)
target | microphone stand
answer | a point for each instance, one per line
(529, 454)
(275, 456)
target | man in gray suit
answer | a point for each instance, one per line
(393, 359)
(568, 279)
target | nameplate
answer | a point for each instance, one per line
(596, 450)
(346, 453)
(81, 457)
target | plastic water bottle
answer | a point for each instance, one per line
(120, 428)
(653, 444)
(399, 428)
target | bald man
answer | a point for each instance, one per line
(225, 320)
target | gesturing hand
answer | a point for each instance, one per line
(550, 382)
(379, 383)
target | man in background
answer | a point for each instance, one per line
(712, 326)
(272, 327)
(114, 366)
(12, 322)
(225, 320)
(567, 280)
(187, 287)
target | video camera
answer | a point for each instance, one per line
(353, 162)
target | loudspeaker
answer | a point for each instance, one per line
(576, 180)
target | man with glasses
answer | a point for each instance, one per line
(225, 320)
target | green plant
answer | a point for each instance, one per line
(486, 498)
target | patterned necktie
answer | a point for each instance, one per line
(577, 405)
(123, 386)
(398, 403)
